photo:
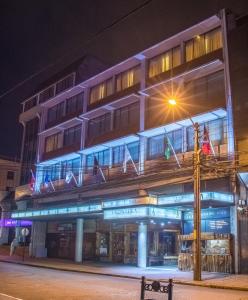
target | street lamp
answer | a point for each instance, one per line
(197, 199)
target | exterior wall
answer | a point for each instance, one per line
(12, 167)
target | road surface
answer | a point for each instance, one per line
(30, 283)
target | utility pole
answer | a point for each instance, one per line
(197, 206)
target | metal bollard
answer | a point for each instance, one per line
(170, 289)
(142, 292)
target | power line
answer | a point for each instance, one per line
(86, 43)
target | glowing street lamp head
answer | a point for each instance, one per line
(172, 101)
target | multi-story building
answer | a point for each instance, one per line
(9, 179)
(114, 162)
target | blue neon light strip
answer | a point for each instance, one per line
(142, 212)
(185, 198)
(57, 211)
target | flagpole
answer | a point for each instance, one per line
(126, 149)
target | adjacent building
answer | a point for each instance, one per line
(114, 161)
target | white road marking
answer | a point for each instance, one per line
(9, 297)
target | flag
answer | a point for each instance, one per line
(127, 157)
(206, 147)
(95, 166)
(32, 181)
(47, 180)
(68, 177)
(167, 150)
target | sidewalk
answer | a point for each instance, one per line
(213, 280)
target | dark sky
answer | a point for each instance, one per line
(48, 35)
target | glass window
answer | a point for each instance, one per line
(101, 91)
(101, 156)
(128, 79)
(70, 165)
(165, 62)
(52, 142)
(203, 44)
(119, 153)
(157, 144)
(10, 175)
(126, 116)
(72, 135)
(55, 113)
(74, 104)
(98, 126)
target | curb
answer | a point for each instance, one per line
(181, 282)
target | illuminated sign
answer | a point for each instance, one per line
(57, 211)
(14, 223)
(185, 198)
(129, 202)
(142, 212)
(209, 213)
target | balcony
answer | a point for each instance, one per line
(112, 135)
(117, 95)
(61, 152)
(63, 119)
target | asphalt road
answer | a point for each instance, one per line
(29, 283)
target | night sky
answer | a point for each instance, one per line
(39, 38)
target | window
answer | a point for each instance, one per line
(72, 135)
(70, 165)
(102, 158)
(126, 116)
(74, 104)
(30, 103)
(165, 62)
(101, 91)
(10, 175)
(157, 144)
(47, 94)
(119, 153)
(52, 142)
(128, 79)
(55, 113)
(216, 130)
(203, 44)
(99, 126)
(64, 84)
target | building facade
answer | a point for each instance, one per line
(114, 162)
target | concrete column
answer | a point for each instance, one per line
(79, 240)
(142, 245)
(234, 231)
(143, 154)
(4, 231)
(37, 247)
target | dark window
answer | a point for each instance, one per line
(46, 94)
(99, 126)
(64, 84)
(127, 116)
(55, 113)
(72, 135)
(10, 175)
(75, 104)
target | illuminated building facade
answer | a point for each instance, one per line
(114, 161)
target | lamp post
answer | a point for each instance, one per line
(197, 199)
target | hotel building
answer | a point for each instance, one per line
(114, 161)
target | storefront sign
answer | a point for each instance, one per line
(14, 223)
(210, 213)
(142, 212)
(130, 202)
(185, 198)
(58, 211)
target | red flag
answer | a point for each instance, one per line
(206, 148)
(32, 181)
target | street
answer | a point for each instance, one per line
(29, 283)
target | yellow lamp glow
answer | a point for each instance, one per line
(172, 102)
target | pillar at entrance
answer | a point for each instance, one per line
(37, 247)
(79, 240)
(142, 245)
